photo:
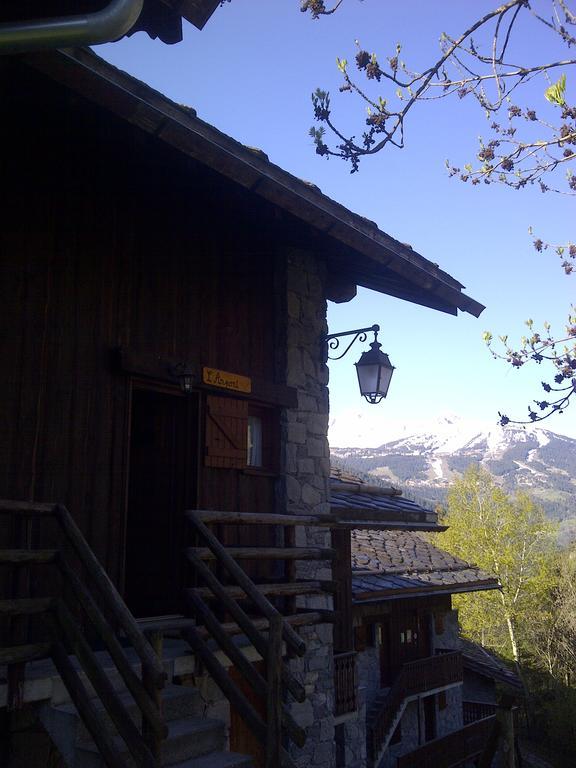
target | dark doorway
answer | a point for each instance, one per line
(405, 638)
(162, 484)
(429, 712)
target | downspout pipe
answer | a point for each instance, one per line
(103, 26)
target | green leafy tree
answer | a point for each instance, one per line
(510, 538)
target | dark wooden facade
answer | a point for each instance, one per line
(111, 240)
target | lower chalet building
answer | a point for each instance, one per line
(420, 698)
(176, 583)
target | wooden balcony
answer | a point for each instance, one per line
(345, 683)
(415, 678)
(477, 710)
(453, 750)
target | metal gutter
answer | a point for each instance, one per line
(103, 26)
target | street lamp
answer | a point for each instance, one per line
(374, 368)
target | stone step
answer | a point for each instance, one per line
(178, 701)
(188, 738)
(218, 760)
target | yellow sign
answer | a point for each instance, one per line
(226, 380)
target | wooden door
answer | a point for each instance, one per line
(162, 483)
(242, 740)
(407, 641)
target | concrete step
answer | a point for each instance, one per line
(178, 701)
(217, 760)
(188, 738)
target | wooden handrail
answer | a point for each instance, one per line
(133, 683)
(275, 713)
(233, 692)
(414, 677)
(455, 748)
(273, 658)
(106, 693)
(114, 601)
(270, 648)
(246, 624)
(265, 607)
(104, 600)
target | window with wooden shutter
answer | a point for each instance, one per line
(226, 432)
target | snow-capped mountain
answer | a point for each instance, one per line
(423, 462)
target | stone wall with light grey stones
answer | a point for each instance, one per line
(449, 638)
(306, 476)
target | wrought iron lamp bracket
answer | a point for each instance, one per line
(333, 339)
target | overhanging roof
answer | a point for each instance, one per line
(356, 247)
(399, 564)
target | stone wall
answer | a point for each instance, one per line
(449, 718)
(449, 638)
(306, 477)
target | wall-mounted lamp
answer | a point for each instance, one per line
(185, 375)
(374, 368)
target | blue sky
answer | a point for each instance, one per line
(250, 73)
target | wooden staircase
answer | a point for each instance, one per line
(123, 725)
(271, 633)
(91, 598)
(193, 741)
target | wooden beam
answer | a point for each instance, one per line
(28, 556)
(19, 654)
(296, 620)
(269, 553)
(7, 506)
(25, 606)
(261, 518)
(162, 369)
(274, 709)
(339, 289)
(285, 588)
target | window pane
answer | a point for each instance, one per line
(254, 458)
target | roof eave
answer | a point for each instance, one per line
(94, 78)
(367, 598)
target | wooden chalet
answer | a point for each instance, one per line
(418, 700)
(168, 543)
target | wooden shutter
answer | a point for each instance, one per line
(226, 432)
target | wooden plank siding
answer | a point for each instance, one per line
(111, 239)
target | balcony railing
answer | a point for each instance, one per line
(477, 710)
(452, 750)
(414, 678)
(345, 683)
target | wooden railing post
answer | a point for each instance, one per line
(150, 681)
(274, 694)
(20, 589)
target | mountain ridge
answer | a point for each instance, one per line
(424, 463)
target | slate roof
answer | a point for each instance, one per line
(357, 249)
(478, 659)
(388, 564)
(376, 505)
